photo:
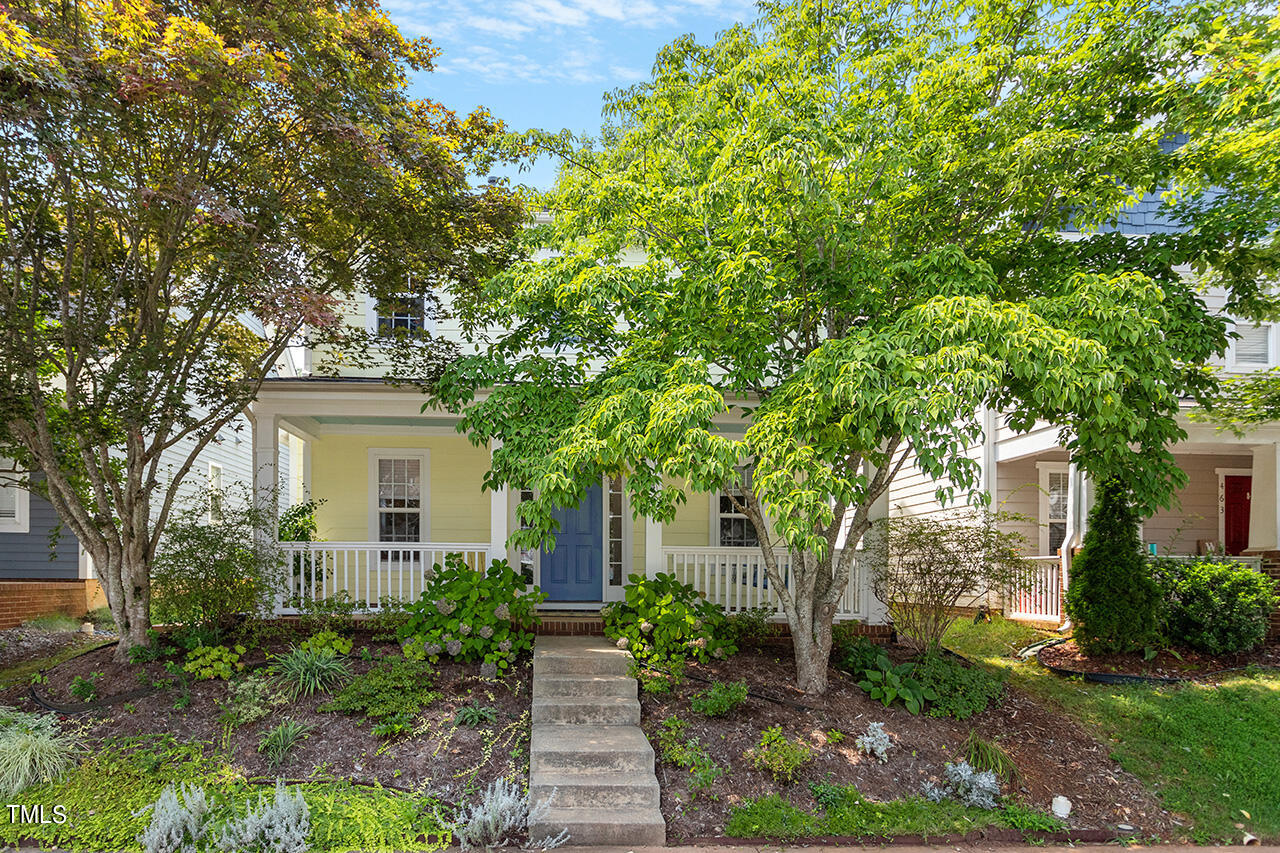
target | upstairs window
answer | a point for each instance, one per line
(401, 315)
(1252, 347)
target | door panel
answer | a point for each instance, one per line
(574, 570)
(1235, 513)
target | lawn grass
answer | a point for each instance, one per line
(1210, 752)
(53, 622)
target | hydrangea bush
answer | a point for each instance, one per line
(471, 615)
(663, 618)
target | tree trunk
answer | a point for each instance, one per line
(811, 638)
(126, 583)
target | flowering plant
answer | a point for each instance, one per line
(663, 618)
(471, 615)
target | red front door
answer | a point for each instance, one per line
(1235, 513)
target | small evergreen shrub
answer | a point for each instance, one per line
(1215, 607)
(1113, 600)
(778, 756)
(177, 825)
(277, 743)
(206, 662)
(33, 749)
(472, 615)
(327, 641)
(719, 699)
(662, 618)
(278, 825)
(750, 627)
(304, 672)
(502, 818)
(391, 687)
(960, 690)
(876, 742)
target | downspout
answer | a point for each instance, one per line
(1076, 514)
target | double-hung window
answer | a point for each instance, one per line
(1053, 506)
(732, 527)
(14, 500)
(399, 498)
(400, 315)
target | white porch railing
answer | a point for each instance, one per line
(1038, 595)
(1254, 563)
(736, 579)
(367, 571)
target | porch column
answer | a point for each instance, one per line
(266, 464)
(498, 528)
(1264, 499)
(876, 557)
(653, 559)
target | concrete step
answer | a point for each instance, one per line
(584, 685)
(555, 748)
(632, 827)
(598, 660)
(617, 789)
(587, 710)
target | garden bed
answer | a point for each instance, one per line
(1166, 664)
(1053, 754)
(439, 757)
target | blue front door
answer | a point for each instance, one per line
(573, 571)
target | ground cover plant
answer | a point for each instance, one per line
(707, 765)
(1210, 750)
(235, 736)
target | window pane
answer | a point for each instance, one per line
(1057, 533)
(1253, 345)
(398, 526)
(8, 502)
(1057, 495)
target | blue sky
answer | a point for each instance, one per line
(546, 63)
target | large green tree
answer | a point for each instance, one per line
(185, 189)
(851, 217)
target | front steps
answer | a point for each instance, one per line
(588, 748)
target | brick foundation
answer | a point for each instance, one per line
(1271, 568)
(21, 600)
(590, 625)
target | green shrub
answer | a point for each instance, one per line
(750, 627)
(887, 684)
(719, 699)
(205, 662)
(1215, 607)
(252, 698)
(960, 690)
(277, 743)
(471, 615)
(662, 618)
(85, 689)
(213, 574)
(387, 620)
(770, 817)
(33, 749)
(304, 672)
(1113, 601)
(329, 641)
(391, 687)
(687, 754)
(333, 614)
(779, 757)
(656, 681)
(856, 655)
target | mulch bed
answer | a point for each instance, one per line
(21, 644)
(440, 758)
(1055, 756)
(1179, 663)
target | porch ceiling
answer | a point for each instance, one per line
(374, 420)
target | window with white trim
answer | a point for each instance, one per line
(733, 528)
(399, 499)
(1252, 346)
(399, 315)
(15, 501)
(528, 557)
(216, 494)
(1054, 482)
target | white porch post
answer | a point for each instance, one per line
(1264, 504)
(653, 559)
(876, 557)
(498, 527)
(266, 462)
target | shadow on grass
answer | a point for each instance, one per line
(1211, 752)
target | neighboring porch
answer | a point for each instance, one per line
(401, 490)
(1228, 506)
